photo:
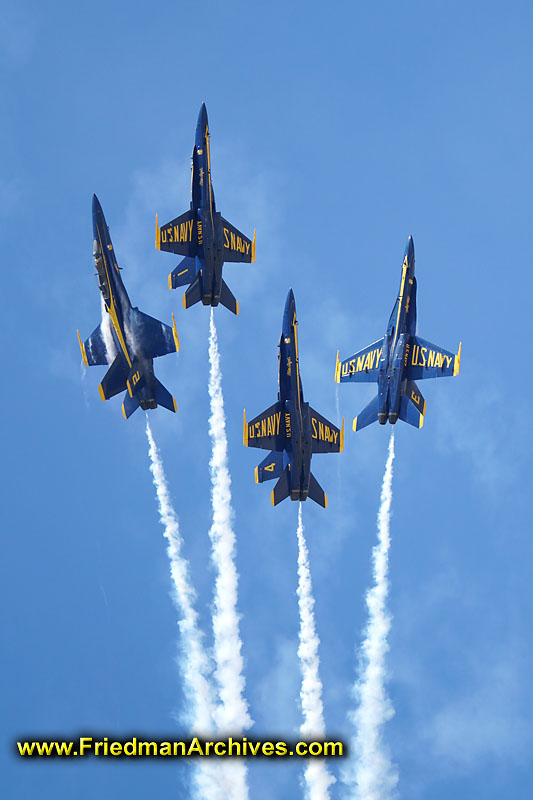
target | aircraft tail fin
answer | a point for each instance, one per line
(368, 415)
(282, 488)
(114, 381)
(412, 405)
(316, 492)
(183, 274)
(227, 299)
(163, 397)
(194, 293)
(270, 467)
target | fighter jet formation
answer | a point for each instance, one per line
(127, 341)
(290, 428)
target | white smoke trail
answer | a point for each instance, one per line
(231, 714)
(194, 662)
(317, 777)
(373, 776)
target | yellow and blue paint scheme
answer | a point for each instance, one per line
(203, 236)
(397, 360)
(127, 340)
(291, 429)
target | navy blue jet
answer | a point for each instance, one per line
(291, 428)
(398, 360)
(126, 339)
(203, 236)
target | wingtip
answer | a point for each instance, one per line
(354, 426)
(272, 497)
(185, 301)
(457, 364)
(82, 348)
(157, 235)
(342, 437)
(253, 249)
(237, 308)
(325, 500)
(124, 411)
(256, 473)
(101, 391)
(170, 281)
(175, 405)
(244, 429)
(175, 334)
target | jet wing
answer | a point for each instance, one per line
(426, 360)
(153, 337)
(93, 350)
(237, 246)
(266, 431)
(178, 236)
(362, 366)
(325, 437)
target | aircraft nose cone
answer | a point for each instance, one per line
(290, 302)
(202, 117)
(410, 253)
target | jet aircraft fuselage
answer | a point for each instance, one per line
(132, 340)
(202, 235)
(291, 428)
(397, 360)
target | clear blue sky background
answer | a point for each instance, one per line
(338, 129)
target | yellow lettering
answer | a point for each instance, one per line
(423, 351)
(278, 415)
(313, 423)
(448, 360)
(270, 468)
(413, 360)
(232, 235)
(263, 427)
(360, 363)
(190, 229)
(164, 235)
(226, 240)
(431, 358)
(344, 368)
(247, 244)
(183, 231)
(321, 431)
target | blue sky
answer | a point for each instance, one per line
(337, 131)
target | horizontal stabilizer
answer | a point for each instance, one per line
(409, 412)
(237, 246)
(426, 360)
(227, 299)
(152, 336)
(282, 488)
(325, 437)
(269, 468)
(413, 393)
(316, 492)
(194, 293)
(266, 431)
(184, 273)
(163, 397)
(178, 236)
(114, 381)
(129, 405)
(368, 415)
(362, 367)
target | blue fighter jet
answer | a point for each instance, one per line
(291, 428)
(203, 236)
(397, 360)
(126, 339)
